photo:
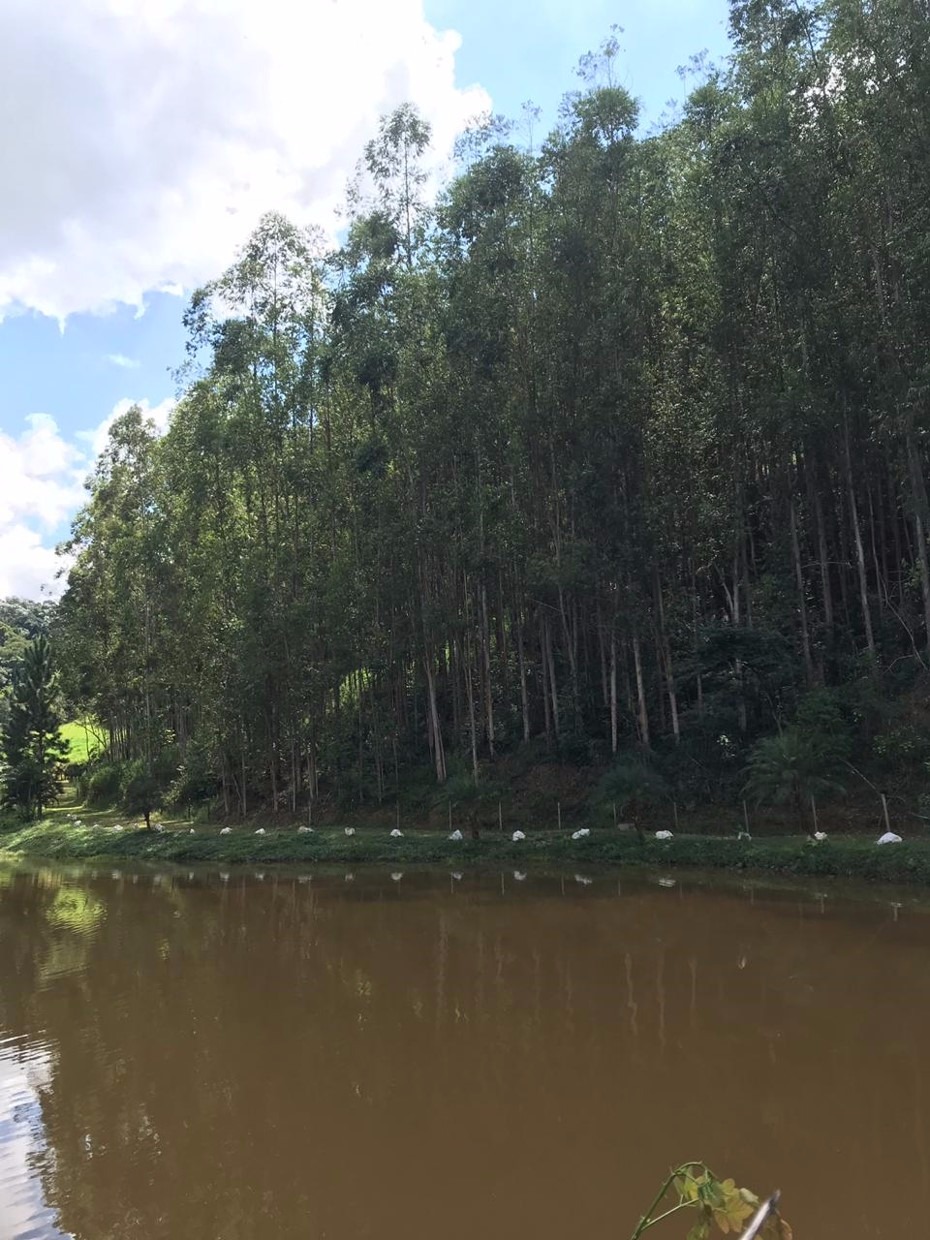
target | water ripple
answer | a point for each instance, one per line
(25, 1069)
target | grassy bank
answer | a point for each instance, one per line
(842, 857)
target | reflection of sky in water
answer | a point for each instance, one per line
(275, 1058)
(24, 1070)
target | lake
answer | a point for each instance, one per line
(267, 1056)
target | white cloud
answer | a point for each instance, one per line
(40, 479)
(123, 362)
(142, 139)
(160, 414)
(28, 567)
(41, 487)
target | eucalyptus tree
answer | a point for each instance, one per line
(257, 411)
(620, 442)
(116, 610)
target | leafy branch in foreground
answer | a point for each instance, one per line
(716, 1201)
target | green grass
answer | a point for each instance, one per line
(83, 737)
(55, 837)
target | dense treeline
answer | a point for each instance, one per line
(32, 750)
(620, 444)
(21, 621)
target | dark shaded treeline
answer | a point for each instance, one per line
(621, 444)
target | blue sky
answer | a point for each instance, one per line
(153, 136)
(523, 51)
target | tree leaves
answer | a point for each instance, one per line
(622, 446)
(700, 1230)
(730, 1209)
(720, 1205)
(31, 744)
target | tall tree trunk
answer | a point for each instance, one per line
(666, 650)
(547, 706)
(242, 792)
(486, 667)
(472, 727)
(602, 657)
(553, 683)
(802, 600)
(435, 731)
(896, 539)
(921, 520)
(225, 785)
(613, 693)
(524, 694)
(641, 693)
(859, 549)
(696, 615)
(458, 679)
(738, 663)
(827, 593)
(571, 648)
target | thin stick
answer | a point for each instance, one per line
(500, 816)
(559, 809)
(746, 816)
(814, 812)
(756, 1223)
(675, 812)
(450, 813)
(615, 814)
(885, 811)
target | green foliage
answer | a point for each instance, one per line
(619, 446)
(902, 747)
(194, 782)
(460, 788)
(101, 781)
(26, 618)
(141, 791)
(806, 760)
(474, 805)
(840, 857)
(633, 783)
(789, 768)
(21, 621)
(140, 785)
(719, 1204)
(33, 749)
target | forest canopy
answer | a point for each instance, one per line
(620, 444)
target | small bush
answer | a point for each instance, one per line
(633, 784)
(577, 749)
(792, 768)
(904, 746)
(141, 791)
(102, 782)
(194, 783)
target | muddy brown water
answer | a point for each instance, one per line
(274, 1057)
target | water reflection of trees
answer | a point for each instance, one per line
(276, 1056)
